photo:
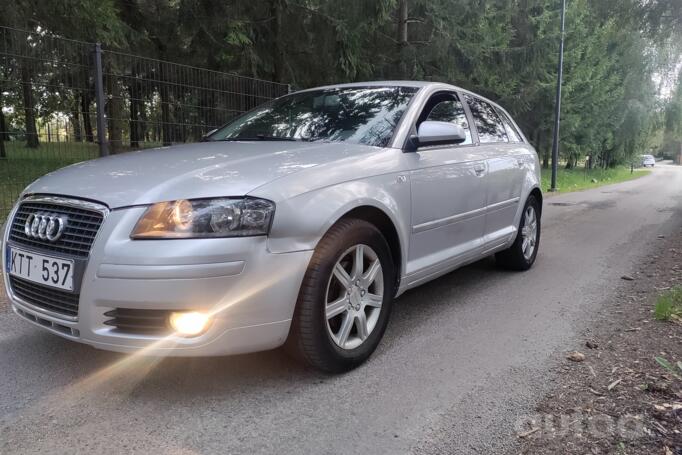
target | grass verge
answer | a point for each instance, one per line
(23, 165)
(581, 179)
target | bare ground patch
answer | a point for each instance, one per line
(610, 394)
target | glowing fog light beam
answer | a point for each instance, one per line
(143, 361)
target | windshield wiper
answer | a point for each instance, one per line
(261, 137)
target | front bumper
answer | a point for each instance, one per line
(250, 291)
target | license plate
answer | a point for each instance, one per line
(45, 270)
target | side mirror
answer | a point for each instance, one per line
(439, 133)
(204, 138)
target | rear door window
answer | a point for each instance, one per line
(488, 123)
(512, 132)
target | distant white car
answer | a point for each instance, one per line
(299, 221)
(648, 160)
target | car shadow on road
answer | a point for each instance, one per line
(38, 354)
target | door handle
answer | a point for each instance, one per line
(479, 169)
(520, 162)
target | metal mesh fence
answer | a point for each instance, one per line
(152, 102)
(47, 109)
(50, 117)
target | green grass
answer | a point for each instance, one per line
(669, 305)
(23, 165)
(580, 179)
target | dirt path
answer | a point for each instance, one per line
(618, 399)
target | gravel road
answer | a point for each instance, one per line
(462, 359)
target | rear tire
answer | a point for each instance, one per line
(345, 302)
(521, 255)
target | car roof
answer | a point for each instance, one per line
(401, 83)
(415, 84)
(396, 83)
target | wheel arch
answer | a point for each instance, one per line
(533, 190)
(538, 194)
(384, 223)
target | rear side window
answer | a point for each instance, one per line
(488, 123)
(512, 132)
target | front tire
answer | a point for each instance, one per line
(521, 255)
(345, 299)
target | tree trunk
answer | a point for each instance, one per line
(546, 151)
(142, 127)
(4, 129)
(29, 108)
(402, 38)
(87, 124)
(402, 22)
(134, 116)
(3, 133)
(208, 114)
(76, 122)
(278, 58)
(534, 139)
(180, 133)
(114, 110)
(166, 131)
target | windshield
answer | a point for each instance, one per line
(359, 115)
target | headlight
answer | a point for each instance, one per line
(224, 217)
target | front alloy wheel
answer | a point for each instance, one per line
(354, 296)
(345, 298)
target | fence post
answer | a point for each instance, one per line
(99, 99)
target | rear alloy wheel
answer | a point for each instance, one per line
(345, 299)
(521, 255)
(529, 233)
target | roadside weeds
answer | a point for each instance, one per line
(669, 305)
(579, 179)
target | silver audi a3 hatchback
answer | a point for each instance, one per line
(295, 224)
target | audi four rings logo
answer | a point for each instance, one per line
(45, 226)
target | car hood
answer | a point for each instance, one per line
(206, 169)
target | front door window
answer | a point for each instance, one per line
(451, 110)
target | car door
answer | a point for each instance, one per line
(517, 153)
(448, 193)
(504, 177)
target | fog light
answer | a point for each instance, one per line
(190, 323)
